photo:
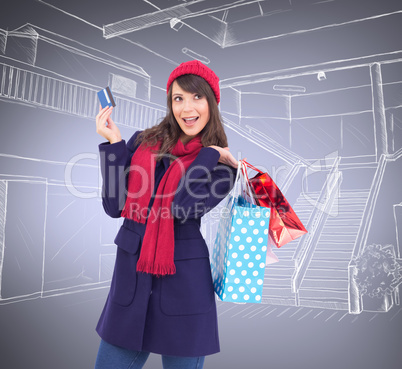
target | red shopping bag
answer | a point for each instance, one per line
(284, 224)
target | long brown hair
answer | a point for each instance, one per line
(169, 130)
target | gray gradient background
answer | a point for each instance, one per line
(52, 331)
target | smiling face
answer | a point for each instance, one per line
(191, 111)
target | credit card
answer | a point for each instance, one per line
(106, 98)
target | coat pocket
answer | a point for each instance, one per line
(124, 281)
(189, 291)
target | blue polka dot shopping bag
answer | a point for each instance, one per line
(240, 249)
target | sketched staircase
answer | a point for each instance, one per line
(278, 276)
(325, 284)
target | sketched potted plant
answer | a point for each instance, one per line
(379, 273)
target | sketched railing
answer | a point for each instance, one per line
(260, 139)
(291, 176)
(355, 301)
(361, 238)
(55, 94)
(318, 217)
(277, 149)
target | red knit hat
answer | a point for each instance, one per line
(199, 69)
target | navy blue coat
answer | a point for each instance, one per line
(170, 315)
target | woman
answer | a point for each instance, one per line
(161, 298)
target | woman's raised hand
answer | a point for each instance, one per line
(226, 157)
(110, 131)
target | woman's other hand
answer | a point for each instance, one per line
(226, 156)
(110, 131)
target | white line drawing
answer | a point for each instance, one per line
(189, 9)
(32, 249)
(225, 22)
(192, 54)
(62, 96)
(100, 28)
(56, 92)
(24, 82)
(319, 269)
(293, 313)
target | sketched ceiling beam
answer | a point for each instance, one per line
(190, 9)
(363, 61)
(269, 27)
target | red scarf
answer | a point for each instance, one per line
(157, 250)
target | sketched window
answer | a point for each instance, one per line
(122, 85)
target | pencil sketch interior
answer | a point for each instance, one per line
(311, 92)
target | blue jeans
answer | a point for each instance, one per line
(114, 357)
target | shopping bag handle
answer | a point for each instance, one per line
(242, 177)
(243, 169)
(252, 167)
(246, 181)
(234, 190)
